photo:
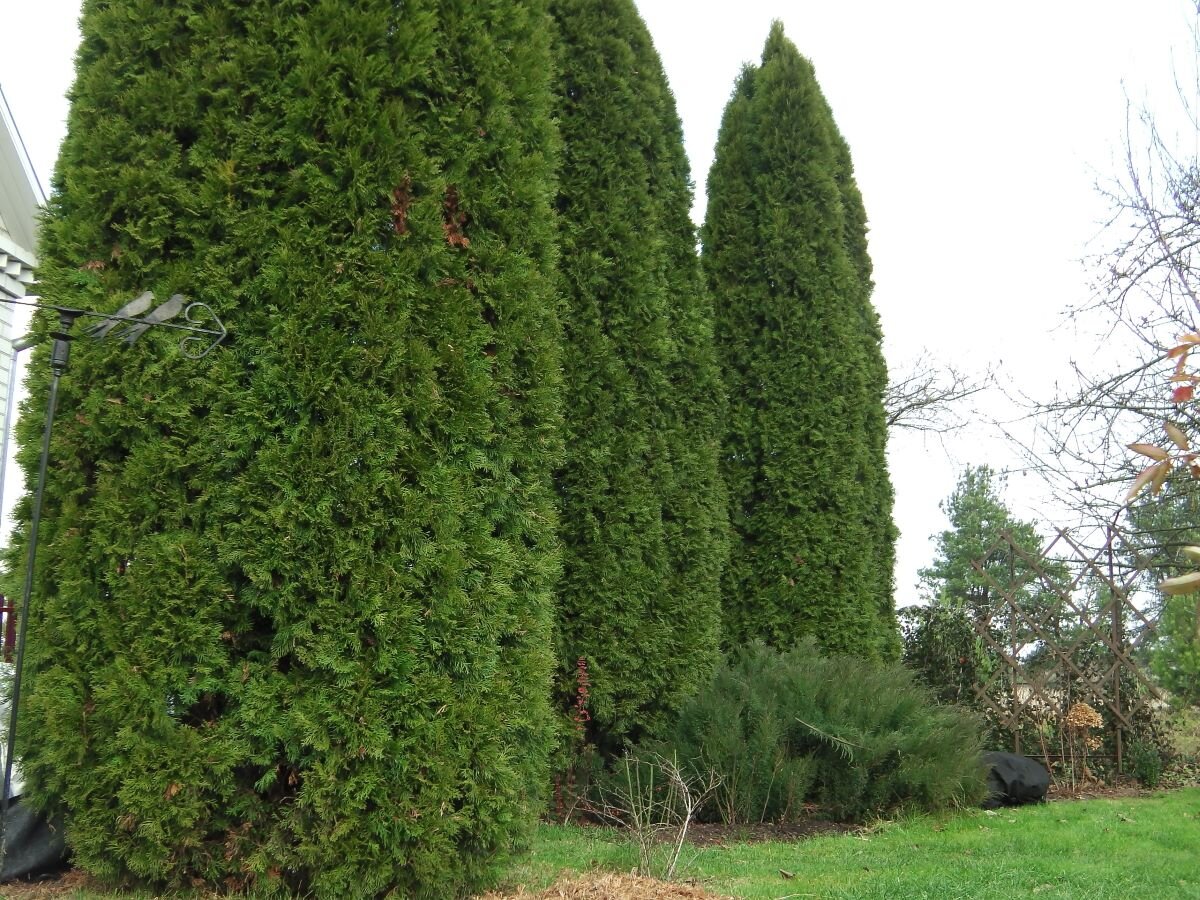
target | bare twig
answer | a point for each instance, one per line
(656, 803)
(925, 395)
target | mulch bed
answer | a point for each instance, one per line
(64, 885)
(608, 886)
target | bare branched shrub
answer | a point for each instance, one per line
(655, 801)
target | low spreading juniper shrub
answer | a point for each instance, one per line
(858, 738)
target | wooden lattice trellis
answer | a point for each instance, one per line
(1015, 687)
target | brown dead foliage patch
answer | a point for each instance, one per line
(66, 885)
(610, 886)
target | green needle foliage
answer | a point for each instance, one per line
(643, 513)
(1158, 529)
(804, 457)
(293, 615)
(858, 737)
(980, 526)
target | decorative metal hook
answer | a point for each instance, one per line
(208, 338)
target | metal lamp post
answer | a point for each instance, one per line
(127, 324)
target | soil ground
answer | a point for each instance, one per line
(1096, 790)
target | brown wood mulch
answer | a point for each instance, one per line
(1097, 790)
(65, 885)
(610, 886)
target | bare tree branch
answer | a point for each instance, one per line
(1146, 294)
(924, 396)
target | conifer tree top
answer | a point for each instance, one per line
(777, 43)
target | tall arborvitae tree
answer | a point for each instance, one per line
(293, 619)
(873, 467)
(785, 252)
(643, 515)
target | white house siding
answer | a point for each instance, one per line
(20, 200)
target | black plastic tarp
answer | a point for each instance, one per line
(33, 846)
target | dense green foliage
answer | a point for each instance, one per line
(1144, 761)
(643, 513)
(293, 618)
(856, 736)
(812, 544)
(947, 653)
(1158, 527)
(1175, 654)
(981, 527)
(993, 594)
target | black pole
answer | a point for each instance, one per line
(58, 365)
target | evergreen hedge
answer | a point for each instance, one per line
(643, 511)
(292, 626)
(785, 253)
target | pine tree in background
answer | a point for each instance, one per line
(643, 513)
(786, 258)
(981, 525)
(293, 617)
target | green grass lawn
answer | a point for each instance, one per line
(1123, 848)
(1137, 847)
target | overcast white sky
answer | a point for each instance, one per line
(978, 132)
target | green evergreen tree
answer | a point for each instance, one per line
(643, 512)
(1157, 529)
(293, 617)
(980, 525)
(785, 252)
(878, 495)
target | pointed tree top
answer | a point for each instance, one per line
(777, 41)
